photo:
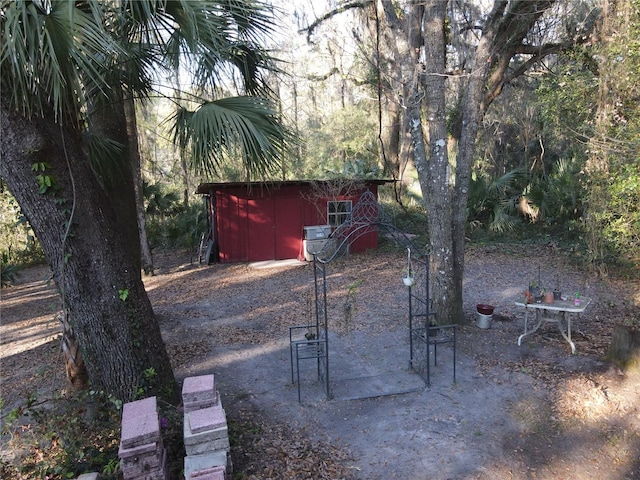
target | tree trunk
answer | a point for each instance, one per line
(92, 263)
(435, 173)
(396, 46)
(625, 346)
(135, 160)
(471, 116)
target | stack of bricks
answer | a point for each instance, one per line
(206, 437)
(142, 454)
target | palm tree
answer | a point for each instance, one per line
(72, 71)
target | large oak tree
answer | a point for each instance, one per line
(445, 62)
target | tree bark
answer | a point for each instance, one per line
(135, 161)
(472, 111)
(97, 276)
(625, 346)
(436, 185)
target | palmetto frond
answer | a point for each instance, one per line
(244, 127)
(50, 52)
(493, 201)
(209, 39)
(73, 57)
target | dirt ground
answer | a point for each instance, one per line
(514, 412)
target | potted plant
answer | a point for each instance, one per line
(408, 280)
(557, 293)
(548, 297)
(536, 290)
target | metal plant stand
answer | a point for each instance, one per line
(424, 332)
(311, 342)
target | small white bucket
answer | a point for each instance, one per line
(484, 321)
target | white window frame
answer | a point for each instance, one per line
(338, 212)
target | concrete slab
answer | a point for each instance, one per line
(195, 463)
(207, 447)
(140, 430)
(215, 473)
(207, 419)
(292, 262)
(138, 408)
(143, 449)
(206, 436)
(200, 388)
(88, 476)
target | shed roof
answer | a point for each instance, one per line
(205, 188)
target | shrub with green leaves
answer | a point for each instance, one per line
(64, 437)
(18, 244)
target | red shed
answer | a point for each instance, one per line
(266, 221)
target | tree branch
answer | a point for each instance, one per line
(332, 13)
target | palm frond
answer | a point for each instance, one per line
(103, 152)
(47, 56)
(244, 127)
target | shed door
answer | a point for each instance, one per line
(287, 219)
(260, 229)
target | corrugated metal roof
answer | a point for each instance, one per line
(205, 188)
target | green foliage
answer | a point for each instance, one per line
(493, 202)
(8, 272)
(504, 206)
(613, 215)
(558, 195)
(343, 145)
(76, 434)
(169, 223)
(410, 216)
(18, 244)
(46, 182)
(146, 382)
(242, 127)
(35, 39)
(619, 220)
(565, 100)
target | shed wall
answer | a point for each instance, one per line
(267, 224)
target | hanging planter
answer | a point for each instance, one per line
(408, 280)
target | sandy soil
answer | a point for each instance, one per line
(530, 411)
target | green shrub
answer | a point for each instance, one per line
(8, 272)
(65, 437)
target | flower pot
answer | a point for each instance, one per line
(484, 309)
(548, 297)
(557, 295)
(408, 281)
(484, 321)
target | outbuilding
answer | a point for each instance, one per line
(251, 222)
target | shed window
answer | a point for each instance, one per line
(338, 212)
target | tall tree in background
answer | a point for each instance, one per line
(439, 66)
(505, 49)
(67, 72)
(613, 219)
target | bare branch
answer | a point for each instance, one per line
(332, 13)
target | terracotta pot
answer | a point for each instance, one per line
(548, 297)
